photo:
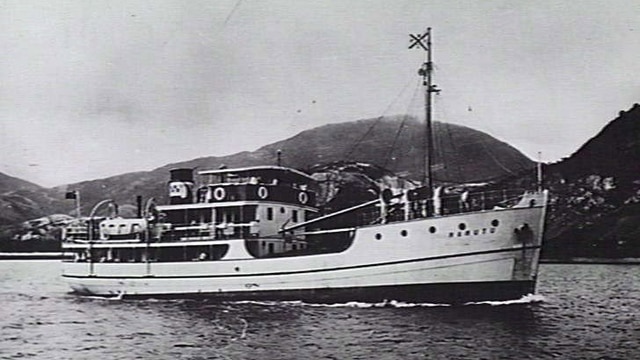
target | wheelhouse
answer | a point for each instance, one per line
(245, 208)
(252, 202)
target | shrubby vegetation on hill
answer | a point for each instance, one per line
(596, 194)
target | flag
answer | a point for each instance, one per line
(71, 195)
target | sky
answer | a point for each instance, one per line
(90, 89)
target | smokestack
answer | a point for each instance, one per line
(181, 186)
(139, 205)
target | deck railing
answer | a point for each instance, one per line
(402, 209)
(172, 233)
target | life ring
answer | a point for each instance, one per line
(263, 193)
(303, 197)
(219, 193)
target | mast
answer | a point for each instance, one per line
(426, 73)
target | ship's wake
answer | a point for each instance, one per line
(527, 299)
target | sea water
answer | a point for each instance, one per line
(580, 312)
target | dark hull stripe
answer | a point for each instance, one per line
(440, 257)
(442, 293)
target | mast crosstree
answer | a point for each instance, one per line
(423, 41)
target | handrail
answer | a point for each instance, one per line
(328, 216)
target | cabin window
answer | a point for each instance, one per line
(282, 210)
(294, 216)
(249, 213)
(188, 253)
(271, 248)
(495, 222)
(269, 213)
(432, 229)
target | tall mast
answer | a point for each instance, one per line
(426, 71)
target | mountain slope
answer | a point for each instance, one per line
(473, 156)
(394, 143)
(19, 200)
(596, 194)
(11, 184)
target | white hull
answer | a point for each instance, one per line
(404, 256)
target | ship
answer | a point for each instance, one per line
(259, 233)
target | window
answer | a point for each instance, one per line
(269, 213)
(294, 216)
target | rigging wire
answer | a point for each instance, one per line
(233, 10)
(458, 171)
(495, 159)
(375, 122)
(406, 117)
(483, 143)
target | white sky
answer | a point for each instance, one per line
(90, 89)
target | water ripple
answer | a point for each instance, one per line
(582, 312)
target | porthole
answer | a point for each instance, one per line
(484, 230)
(450, 234)
(236, 268)
(432, 229)
(462, 226)
(459, 234)
(378, 236)
(495, 222)
(282, 210)
(492, 230)
(476, 232)
(467, 233)
(404, 233)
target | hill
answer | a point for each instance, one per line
(596, 194)
(19, 200)
(394, 143)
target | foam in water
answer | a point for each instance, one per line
(527, 299)
(350, 304)
(117, 297)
